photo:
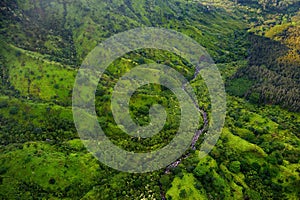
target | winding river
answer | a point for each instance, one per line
(196, 137)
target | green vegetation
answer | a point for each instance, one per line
(255, 44)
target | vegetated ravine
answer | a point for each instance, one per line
(195, 139)
(255, 45)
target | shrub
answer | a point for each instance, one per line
(14, 110)
(3, 104)
(182, 194)
(235, 166)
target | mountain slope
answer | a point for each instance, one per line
(273, 67)
(255, 47)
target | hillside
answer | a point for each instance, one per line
(255, 45)
(273, 68)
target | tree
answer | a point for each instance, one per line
(235, 166)
(182, 194)
(14, 110)
(165, 181)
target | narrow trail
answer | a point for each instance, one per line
(198, 133)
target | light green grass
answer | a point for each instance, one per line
(241, 145)
(187, 184)
(39, 162)
(34, 76)
(32, 112)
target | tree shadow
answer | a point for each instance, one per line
(265, 51)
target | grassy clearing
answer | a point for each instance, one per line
(240, 145)
(42, 167)
(32, 112)
(184, 189)
(38, 78)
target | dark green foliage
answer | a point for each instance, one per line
(52, 181)
(239, 86)
(13, 110)
(273, 78)
(272, 6)
(3, 104)
(235, 166)
(182, 194)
